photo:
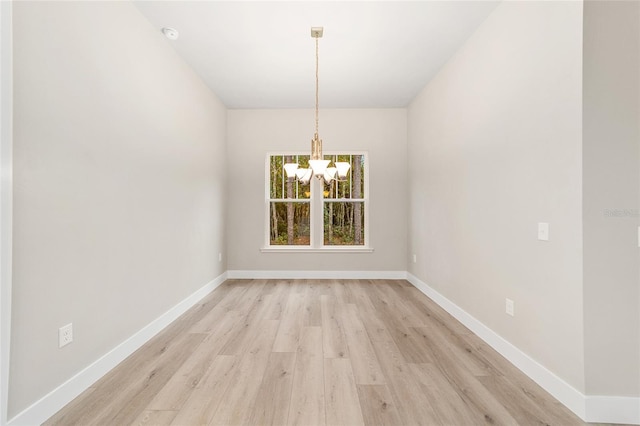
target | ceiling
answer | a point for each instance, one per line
(372, 55)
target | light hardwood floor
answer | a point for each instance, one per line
(315, 352)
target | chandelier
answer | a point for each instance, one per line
(318, 166)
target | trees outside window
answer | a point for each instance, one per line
(316, 215)
(289, 204)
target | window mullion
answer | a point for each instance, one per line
(317, 213)
(282, 178)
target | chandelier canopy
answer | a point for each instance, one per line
(318, 166)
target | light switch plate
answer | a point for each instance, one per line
(543, 231)
(509, 307)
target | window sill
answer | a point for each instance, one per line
(303, 249)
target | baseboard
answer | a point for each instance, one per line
(613, 409)
(561, 390)
(65, 393)
(344, 275)
(593, 409)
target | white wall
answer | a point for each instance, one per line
(119, 190)
(494, 148)
(611, 129)
(6, 144)
(253, 133)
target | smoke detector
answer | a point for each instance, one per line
(170, 33)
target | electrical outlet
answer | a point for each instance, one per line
(65, 335)
(219, 257)
(415, 258)
(509, 307)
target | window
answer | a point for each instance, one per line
(316, 216)
(289, 221)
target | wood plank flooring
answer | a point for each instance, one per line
(315, 352)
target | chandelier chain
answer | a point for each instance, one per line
(317, 82)
(318, 165)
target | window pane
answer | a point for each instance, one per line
(343, 223)
(353, 185)
(289, 223)
(282, 187)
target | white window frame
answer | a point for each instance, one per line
(317, 202)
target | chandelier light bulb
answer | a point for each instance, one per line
(291, 168)
(343, 168)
